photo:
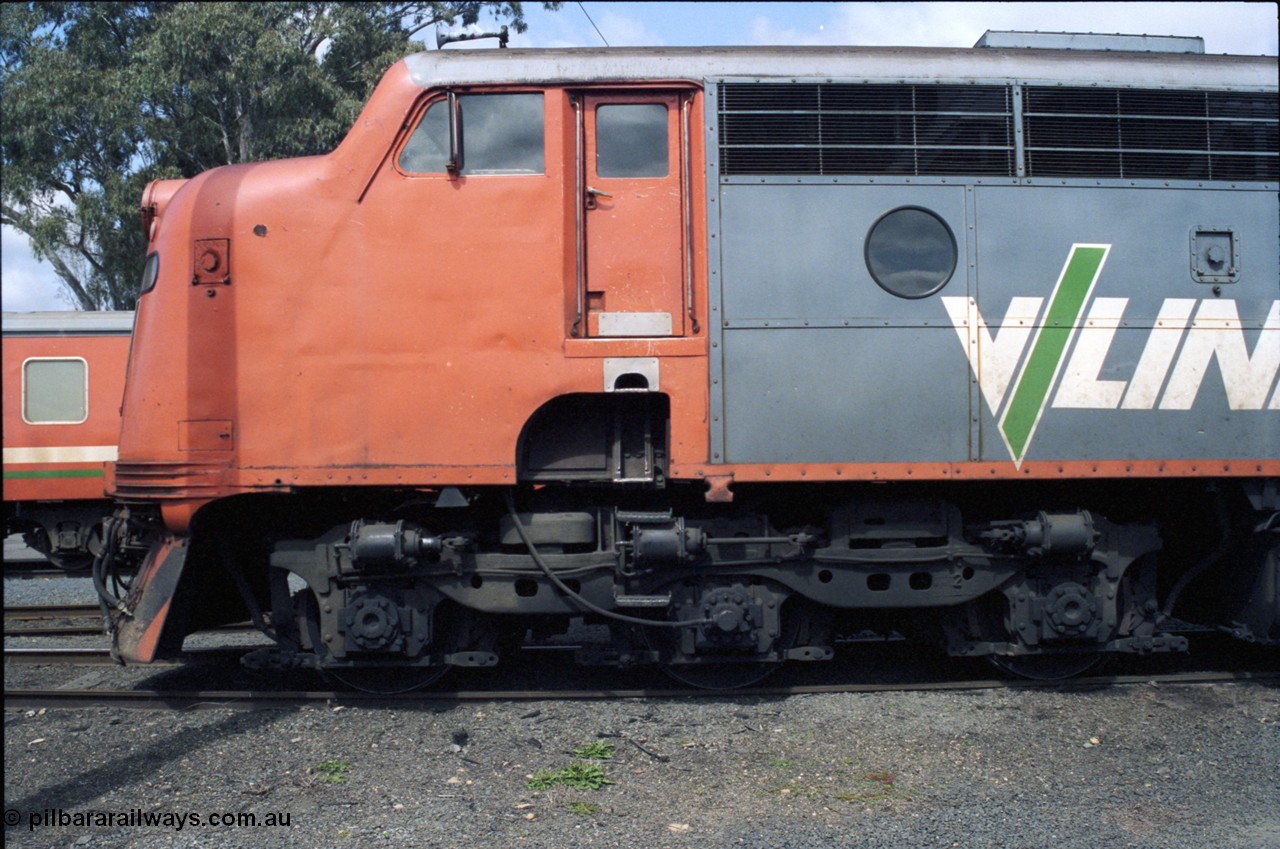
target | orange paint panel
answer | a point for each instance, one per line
(55, 482)
(189, 369)
(396, 329)
(598, 348)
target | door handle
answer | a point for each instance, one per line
(592, 193)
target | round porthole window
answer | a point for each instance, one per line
(911, 252)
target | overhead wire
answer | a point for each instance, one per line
(593, 23)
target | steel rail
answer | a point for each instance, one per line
(97, 629)
(45, 613)
(36, 570)
(33, 612)
(55, 631)
(79, 656)
(205, 699)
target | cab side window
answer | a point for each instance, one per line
(499, 134)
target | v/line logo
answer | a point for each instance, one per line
(1215, 332)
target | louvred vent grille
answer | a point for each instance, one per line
(807, 129)
(832, 129)
(1147, 134)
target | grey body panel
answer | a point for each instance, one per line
(1023, 235)
(820, 365)
(841, 395)
(796, 252)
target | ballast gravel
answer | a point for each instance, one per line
(1175, 767)
(1145, 766)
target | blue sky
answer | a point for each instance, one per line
(1242, 28)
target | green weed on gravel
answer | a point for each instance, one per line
(580, 775)
(332, 771)
(599, 750)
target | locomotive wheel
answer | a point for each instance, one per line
(378, 680)
(719, 676)
(1047, 667)
(732, 674)
(71, 562)
(75, 561)
(389, 680)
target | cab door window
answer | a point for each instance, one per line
(631, 140)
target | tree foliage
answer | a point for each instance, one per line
(99, 98)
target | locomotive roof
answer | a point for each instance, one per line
(105, 322)
(915, 64)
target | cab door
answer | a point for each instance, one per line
(634, 181)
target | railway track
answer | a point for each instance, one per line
(32, 621)
(42, 569)
(95, 656)
(73, 620)
(38, 612)
(27, 699)
(1217, 667)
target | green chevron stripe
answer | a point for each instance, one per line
(1065, 310)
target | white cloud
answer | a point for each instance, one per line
(626, 31)
(764, 30)
(1244, 28)
(1241, 28)
(29, 284)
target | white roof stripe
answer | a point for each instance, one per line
(1072, 67)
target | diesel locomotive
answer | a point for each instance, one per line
(728, 353)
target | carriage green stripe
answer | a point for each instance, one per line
(53, 473)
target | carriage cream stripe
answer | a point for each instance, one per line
(62, 454)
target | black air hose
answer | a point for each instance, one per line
(560, 585)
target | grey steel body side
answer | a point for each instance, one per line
(813, 363)
(821, 365)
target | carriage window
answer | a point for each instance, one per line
(55, 391)
(631, 140)
(500, 134)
